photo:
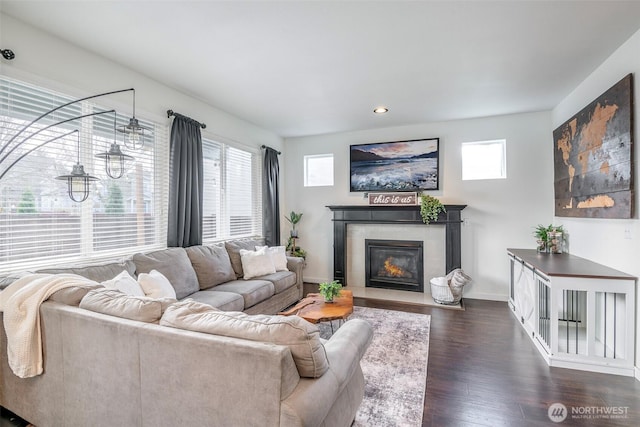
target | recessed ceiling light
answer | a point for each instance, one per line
(380, 110)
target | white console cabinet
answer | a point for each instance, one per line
(579, 314)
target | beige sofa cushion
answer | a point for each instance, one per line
(302, 338)
(115, 303)
(212, 265)
(73, 294)
(233, 248)
(174, 264)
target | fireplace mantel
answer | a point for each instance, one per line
(365, 214)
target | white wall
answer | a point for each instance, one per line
(603, 240)
(55, 64)
(500, 213)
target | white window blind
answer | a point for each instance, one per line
(232, 192)
(39, 223)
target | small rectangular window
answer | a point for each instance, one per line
(484, 160)
(318, 170)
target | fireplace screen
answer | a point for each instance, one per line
(394, 264)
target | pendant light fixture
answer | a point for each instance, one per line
(78, 180)
(114, 158)
(133, 132)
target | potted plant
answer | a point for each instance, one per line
(295, 250)
(330, 290)
(430, 208)
(549, 238)
(294, 218)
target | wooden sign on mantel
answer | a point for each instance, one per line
(393, 199)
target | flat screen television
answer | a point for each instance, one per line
(395, 166)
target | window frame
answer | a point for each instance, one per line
(309, 157)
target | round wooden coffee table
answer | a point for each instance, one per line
(314, 309)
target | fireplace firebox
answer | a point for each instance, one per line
(394, 264)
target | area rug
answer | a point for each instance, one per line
(394, 366)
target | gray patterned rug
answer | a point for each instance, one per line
(394, 366)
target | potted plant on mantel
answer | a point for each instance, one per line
(330, 290)
(430, 208)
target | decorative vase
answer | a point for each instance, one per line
(541, 246)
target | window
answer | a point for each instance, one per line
(232, 192)
(39, 223)
(484, 160)
(318, 170)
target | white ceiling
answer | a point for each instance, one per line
(312, 67)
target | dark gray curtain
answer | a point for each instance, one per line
(271, 198)
(185, 183)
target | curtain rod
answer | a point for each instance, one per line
(264, 146)
(171, 113)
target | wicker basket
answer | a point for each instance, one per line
(441, 293)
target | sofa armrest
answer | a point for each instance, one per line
(313, 399)
(354, 336)
(296, 264)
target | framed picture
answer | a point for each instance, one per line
(395, 166)
(593, 158)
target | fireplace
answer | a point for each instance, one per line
(394, 264)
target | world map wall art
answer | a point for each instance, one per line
(593, 157)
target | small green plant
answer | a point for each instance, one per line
(294, 218)
(430, 208)
(330, 290)
(541, 233)
(295, 250)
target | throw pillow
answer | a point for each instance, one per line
(124, 283)
(256, 263)
(302, 337)
(114, 303)
(174, 264)
(233, 248)
(155, 285)
(278, 256)
(212, 265)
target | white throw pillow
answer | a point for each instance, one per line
(155, 285)
(278, 256)
(124, 283)
(256, 263)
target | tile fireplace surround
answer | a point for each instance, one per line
(343, 216)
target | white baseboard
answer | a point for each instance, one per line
(636, 370)
(491, 297)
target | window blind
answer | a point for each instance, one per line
(232, 192)
(39, 223)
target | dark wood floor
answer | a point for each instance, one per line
(484, 371)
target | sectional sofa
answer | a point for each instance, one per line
(215, 356)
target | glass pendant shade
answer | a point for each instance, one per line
(78, 182)
(114, 161)
(133, 134)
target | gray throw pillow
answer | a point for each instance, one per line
(212, 265)
(233, 248)
(174, 264)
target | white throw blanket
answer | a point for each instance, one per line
(20, 304)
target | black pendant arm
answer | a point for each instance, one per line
(35, 148)
(56, 109)
(2, 159)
